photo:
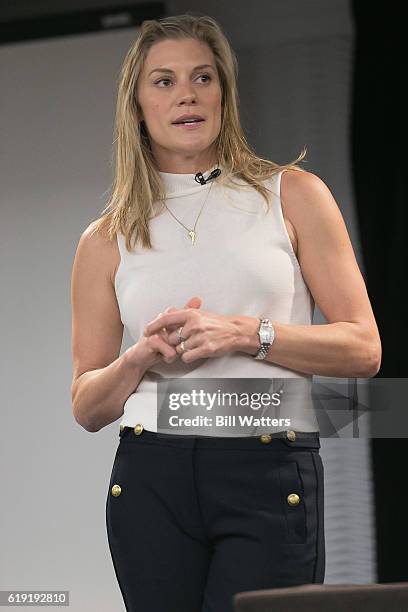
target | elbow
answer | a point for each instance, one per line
(86, 424)
(82, 419)
(372, 360)
(91, 428)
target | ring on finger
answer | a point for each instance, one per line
(179, 336)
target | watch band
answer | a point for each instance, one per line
(266, 334)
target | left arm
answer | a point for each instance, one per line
(349, 345)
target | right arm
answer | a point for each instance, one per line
(103, 380)
(98, 396)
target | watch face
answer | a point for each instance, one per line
(266, 333)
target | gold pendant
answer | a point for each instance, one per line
(192, 235)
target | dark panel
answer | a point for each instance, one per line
(79, 22)
(379, 131)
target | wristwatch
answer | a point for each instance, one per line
(266, 334)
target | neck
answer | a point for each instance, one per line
(179, 184)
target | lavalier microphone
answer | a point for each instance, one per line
(200, 179)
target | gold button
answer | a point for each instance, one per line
(265, 438)
(121, 427)
(116, 490)
(293, 499)
(138, 429)
(291, 435)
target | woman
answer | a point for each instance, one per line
(214, 286)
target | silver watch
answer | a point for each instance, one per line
(266, 334)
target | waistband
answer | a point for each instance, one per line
(277, 440)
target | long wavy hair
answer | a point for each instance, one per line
(137, 186)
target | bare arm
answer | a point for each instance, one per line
(349, 345)
(102, 380)
(98, 396)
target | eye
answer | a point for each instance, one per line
(160, 81)
(207, 76)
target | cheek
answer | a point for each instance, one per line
(156, 111)
(150, 103)
(153, 108)
(155, 117)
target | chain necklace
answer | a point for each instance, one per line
(192, 232)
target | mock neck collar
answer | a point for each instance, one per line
(177, 185)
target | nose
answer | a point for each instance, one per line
(187, 94)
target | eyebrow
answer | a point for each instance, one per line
(168, 70)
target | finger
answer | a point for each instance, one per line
(159, 345)
(191, 354)
(172, 337)
(190, 304)
(194, 302)
(159, 315)
(178, 317)
(164, 329)
(170, 328)
(170, 309)
(165, 335)
(192, 342)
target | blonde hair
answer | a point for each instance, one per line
(137, 184)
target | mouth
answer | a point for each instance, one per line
(190, 125)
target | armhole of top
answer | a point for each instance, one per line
(281, 217)
(120, 246)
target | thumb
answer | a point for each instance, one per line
(194, 302)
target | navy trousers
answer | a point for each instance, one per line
(193, 520)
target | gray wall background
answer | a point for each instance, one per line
(57, 110)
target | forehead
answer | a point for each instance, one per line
(174, 53)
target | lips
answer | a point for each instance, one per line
(189, 121)
(184, 118)
(189, 127)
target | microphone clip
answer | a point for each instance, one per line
(200, 179)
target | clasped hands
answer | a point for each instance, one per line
(205, 334)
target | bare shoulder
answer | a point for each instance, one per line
(300, 187)
(97, 248)
(309, 204)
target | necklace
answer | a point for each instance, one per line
(191, 232)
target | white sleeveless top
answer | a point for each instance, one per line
(242, 263)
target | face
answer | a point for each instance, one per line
(171, 85)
